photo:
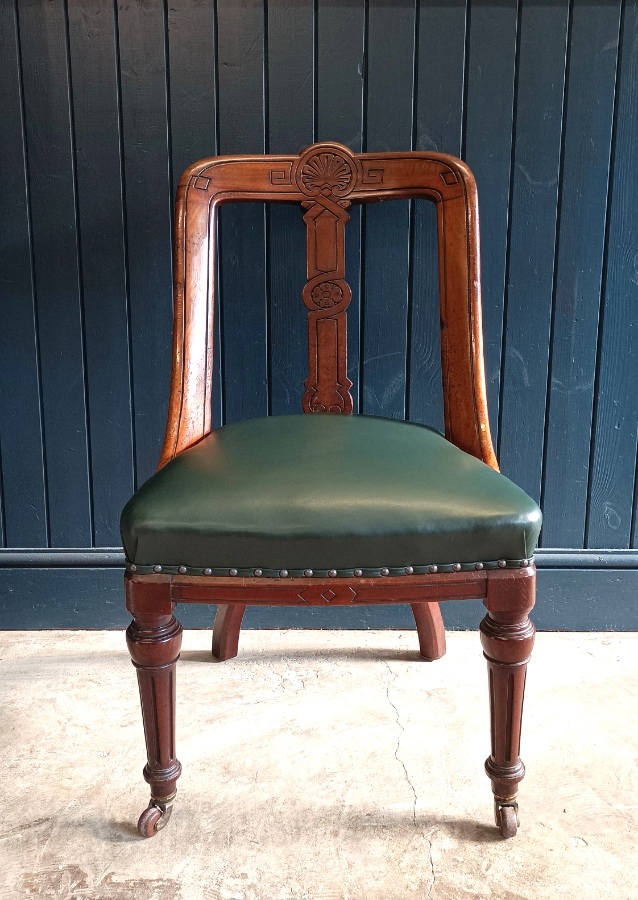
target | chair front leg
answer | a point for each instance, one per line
(154, 643)
(507, 639)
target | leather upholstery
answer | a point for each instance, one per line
(324, 492)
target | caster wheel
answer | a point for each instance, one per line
(506, 819)
(154, 818)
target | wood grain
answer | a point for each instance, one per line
(341, 88)
(50, 142)
(194, 115)
(579, 266)
(105, 298)
(611, 505)
(23, 496)
(487, 148)
(243, 282)
(291, 123)
(148, 201)
(438, 126)
(532, 241)
(386, 252)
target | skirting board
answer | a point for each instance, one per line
(568, 599)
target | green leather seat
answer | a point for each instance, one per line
(326, 492)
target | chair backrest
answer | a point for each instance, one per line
(326, 179)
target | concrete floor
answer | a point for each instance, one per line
(318, 766)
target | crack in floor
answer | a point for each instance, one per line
(396, 749)
(431, 861)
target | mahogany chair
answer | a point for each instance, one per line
(333, 509)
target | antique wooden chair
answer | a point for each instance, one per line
(328, 509)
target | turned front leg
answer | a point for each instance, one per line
(507, 640)
(154, 643)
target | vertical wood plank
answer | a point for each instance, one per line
(614, 445)
(487, 150)
(440, 77)
(95, 107)
(50, 151)
(3, 536)
(391, 48)
(291, 41)
(579, 265)
(532, 237)
(291, 85)
(242, 286)
(148, 218)
(288, 342)
(193, 78)
(192, 50)
(438, 127)
(23, 505)
(340, 70)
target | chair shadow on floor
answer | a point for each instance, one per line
(348, 655)
(465, 830)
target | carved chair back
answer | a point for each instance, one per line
(326, 179)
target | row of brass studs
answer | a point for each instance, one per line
(333, 573)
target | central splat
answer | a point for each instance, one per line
(326, 177)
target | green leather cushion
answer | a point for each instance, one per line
(323, 492)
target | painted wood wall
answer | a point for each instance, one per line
(103, 105)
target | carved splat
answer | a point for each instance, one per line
(327, 175)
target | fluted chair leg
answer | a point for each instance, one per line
(507, 640)
(430, 629)
(154, 643)
(226, 628)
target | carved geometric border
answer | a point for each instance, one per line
(317, 592)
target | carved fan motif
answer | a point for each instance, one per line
(325, 173)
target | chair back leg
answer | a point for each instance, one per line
(226, 628)
(430, 629)
(427, 616)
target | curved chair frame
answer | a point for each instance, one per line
(326, 179)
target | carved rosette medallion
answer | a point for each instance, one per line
(326, 295)
(326, 174)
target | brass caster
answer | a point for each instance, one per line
(155, 816)
(506, 817)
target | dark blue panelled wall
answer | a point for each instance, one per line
(103, 104)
